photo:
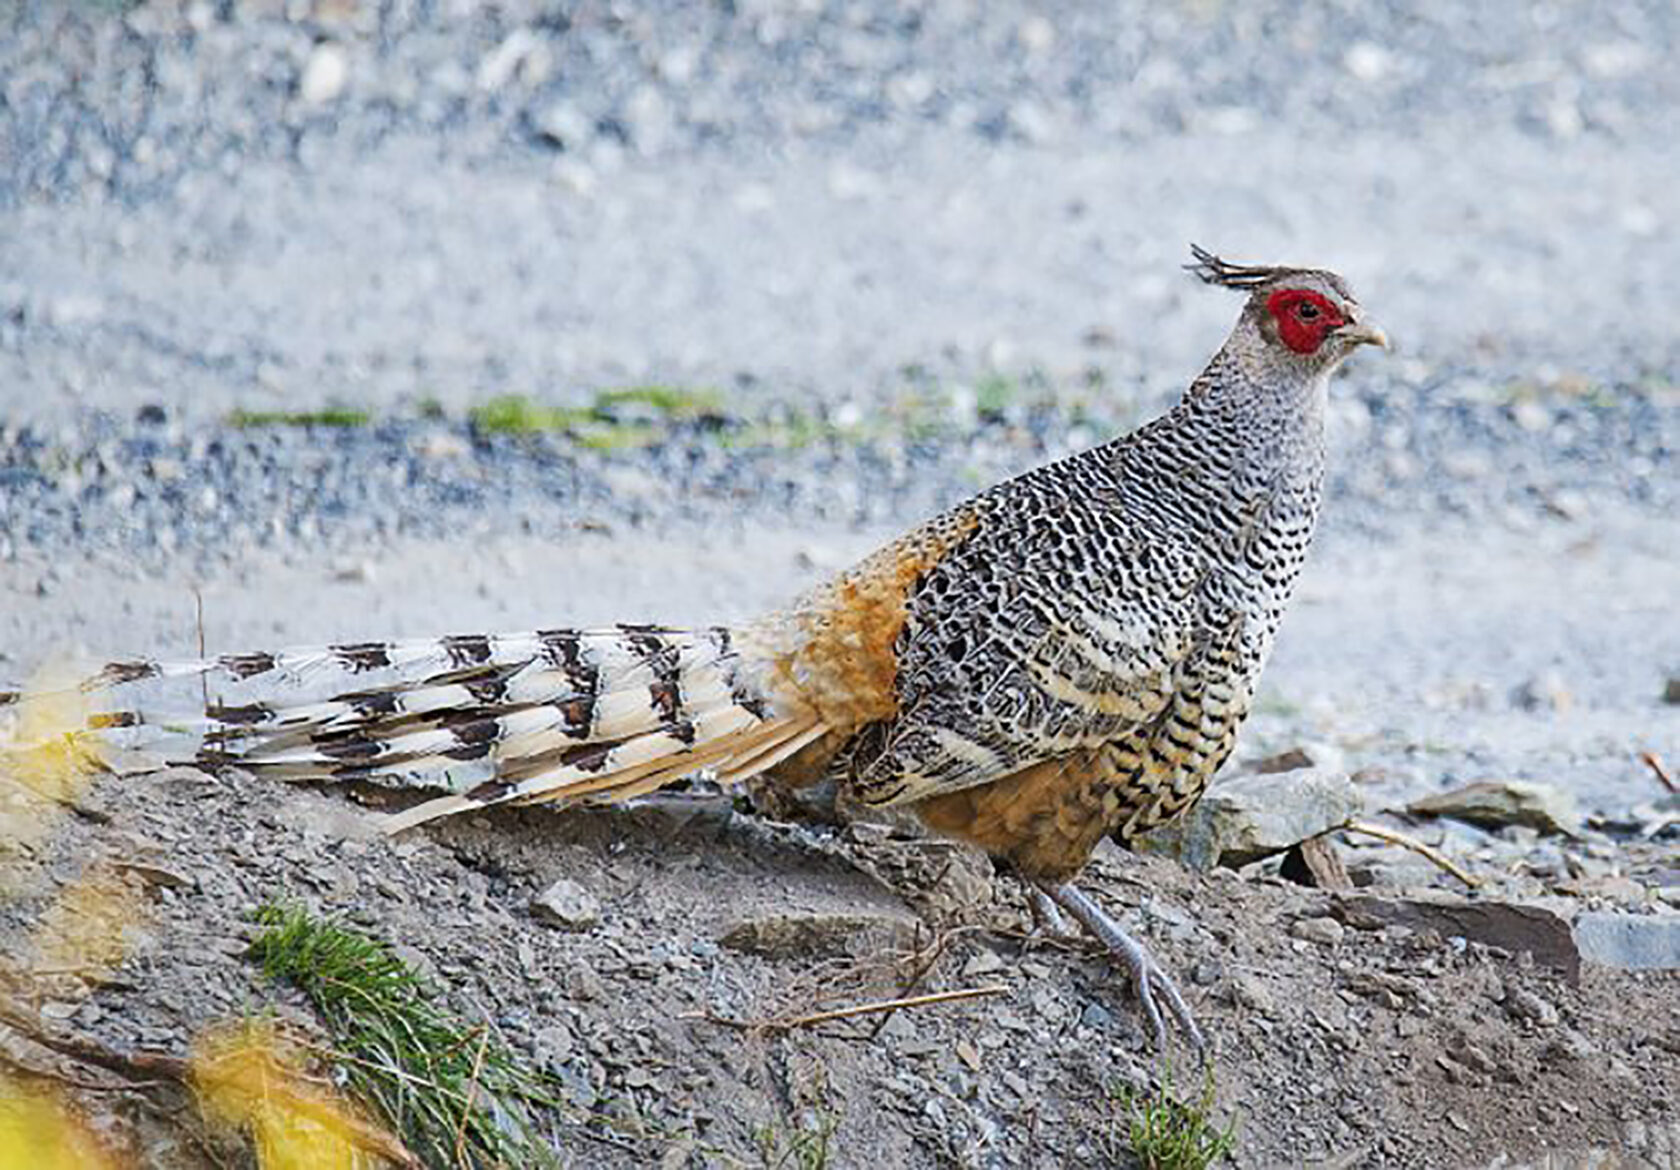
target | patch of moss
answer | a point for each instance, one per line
(515, 414)
(674, 402)
(332, 416)
(626, 417)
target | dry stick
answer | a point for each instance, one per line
(1654, 762)
(1397, 838)
(203, 679)
(861, 1009)
(924, 962)
(471, 1095)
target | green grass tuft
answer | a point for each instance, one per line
(1167, 1132)
(994, 394)
(515, 414)
(616, 418)
(674, 402)
(455, 1096)
(808, 1147)
(332, 416)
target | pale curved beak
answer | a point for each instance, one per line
(1364, 333)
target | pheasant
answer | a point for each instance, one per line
(1065, 657)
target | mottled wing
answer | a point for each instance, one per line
(1053, 629)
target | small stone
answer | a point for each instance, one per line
(1315, 862)
(583, 984)
(324, 74)
(1250, 817)
(1247, 992)
(1569, 1046)
(1286, 761)
(1525, 1005)
(1323, 931)
(442, 445)
(1493, 804)
(1671, 689)
(899, 1029)
(1533, 417)
(1543, 692)
(567, 905)
(564, 125)
(1629, 942)
(520, 53)
(1368, 62)
(553, 1045)
(1472, 1057)
(1036, 34)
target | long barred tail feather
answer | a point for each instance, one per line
(604, 714)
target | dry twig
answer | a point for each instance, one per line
(471, 1098)
(1394, 837)
(861, 1009)
(1654, 762)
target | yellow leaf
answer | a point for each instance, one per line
(36, 1133)
(248, 1078)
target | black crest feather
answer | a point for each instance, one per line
(1213, 270)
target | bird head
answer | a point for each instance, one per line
(1305, 317)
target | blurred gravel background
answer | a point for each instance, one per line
(907, 249)
(210, 203)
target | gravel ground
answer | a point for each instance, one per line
(898, 252)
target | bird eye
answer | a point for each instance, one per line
(1307, 311)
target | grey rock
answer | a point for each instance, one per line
(554, 1045)
(567, 905)
(1544, 692)
(1471, 1056)
(1569, 1046)
(564, 125)
(1245, 991)
(1302, 755)
(1323, 931)
(1629, 942)
(1250, 817)
(1493, 804)
(1526, 1005)
(1671, 689)
(1513, 926)
(324, 75)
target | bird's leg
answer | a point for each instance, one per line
(1047, 920)
(1147, 976)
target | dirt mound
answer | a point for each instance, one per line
(1340, 1040)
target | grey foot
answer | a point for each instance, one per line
(1047, 920)
(1148, 978)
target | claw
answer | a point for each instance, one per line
(1148, 978)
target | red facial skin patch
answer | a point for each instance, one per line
(1304, 318)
